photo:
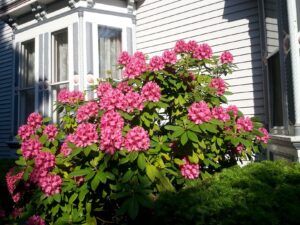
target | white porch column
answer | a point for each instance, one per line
(295, 59)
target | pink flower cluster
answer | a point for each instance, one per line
(135, 66)
(51, 132)
(31, 148)
(203, 51)
(189, 170)
(84, 135)
(244, 123)
(124, 87)
(219, 85)
(124, 58)
(265, 137)
(151, 92)
(34, 120)
(226, 57)
(11, 181)
(111, 125)
(113, 99)
(220, 113)
(238, 149)
(70, 97)
(156, 63)
(233, 109)
(87, 111)
(64, 149)
(133, 101)
(169, 57)
(50, 184)
(35, 220)
(25, 131)
(103, 88)
(137, 139)
(45, 161)
(199, 112)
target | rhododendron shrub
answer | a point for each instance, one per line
(165, 123)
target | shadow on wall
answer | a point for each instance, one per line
(252, 63)
(6, 92)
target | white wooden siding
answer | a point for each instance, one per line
(271, 26)
(225, 25)
(6, 77)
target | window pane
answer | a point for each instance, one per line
(109, 48)
(26, 104)
(27, 68)
(60, 56)
(55, 89)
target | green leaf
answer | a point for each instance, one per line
(87, 151)
(166, 184)
(184, 138)
(192, 136)
(43, 139)
(133, 156)
(141, 162)
(127, 176)
(174, 128)
(177, 133)
(21, 161)
(80, 172)
(82, 194)
(73, 198)
(179, 162)
(152, 172)
(133, 208)
(57, 197)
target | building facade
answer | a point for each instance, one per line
(47, 44)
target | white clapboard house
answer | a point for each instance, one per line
(49, 44)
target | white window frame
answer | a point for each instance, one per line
(52, 83)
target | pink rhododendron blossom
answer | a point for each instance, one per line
(219, 85)
(25, 131)
(169, 57)
(265, 137)
(37, 174)
(45, 160)
(189, 170)
(85, 135)
(113, 99)
(111, 125)
(111, 140)
(180, 46)
(31, 148)
(151, 92)
(51, 184)
(134, 101)
(238, 149)
(156, 63)
(79, 180)
(220, 113)
(226, 57)
(16, 212)
(137, 139)
(203, 51)
(124, 87)
(124, 58)
(70, 97)
(135, 67)
(244, 123)
(51, 132)
(192, 46)
(34, 120)
(199, 112)
(11, 182)
(112, 120)
(87, 111)
(65, 150)
(233, 109)
(35, 220)
(139, 55)
(103, 88)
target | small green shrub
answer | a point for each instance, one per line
(260, 193)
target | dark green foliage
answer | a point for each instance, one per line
(266, 193)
